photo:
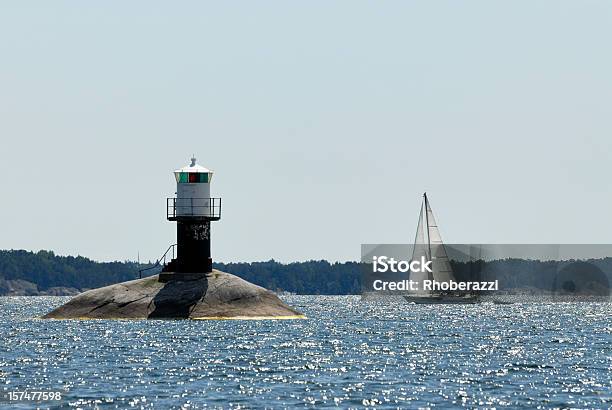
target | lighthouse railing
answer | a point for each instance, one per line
(197, 207)
(160, 262)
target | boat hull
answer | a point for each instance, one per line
(442, 300)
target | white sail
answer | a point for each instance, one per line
(441, 267)
(420, 249)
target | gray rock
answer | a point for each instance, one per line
(214, 295)
(18, 287)
(59, 291)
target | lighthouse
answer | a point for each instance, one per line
(187, 287)
(193, 210)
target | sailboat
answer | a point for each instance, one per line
(428, 244)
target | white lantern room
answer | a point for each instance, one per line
(193, 191)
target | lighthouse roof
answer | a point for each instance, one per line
(193, 173)
(194, 167)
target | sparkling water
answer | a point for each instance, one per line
(348, 353)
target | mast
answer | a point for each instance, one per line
(427, 226)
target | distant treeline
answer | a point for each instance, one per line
(590, 276)
(47, 270)
(306, 278)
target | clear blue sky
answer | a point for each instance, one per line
(324, 121)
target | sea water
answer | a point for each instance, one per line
(348, 353)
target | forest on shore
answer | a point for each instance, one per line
(45, 273)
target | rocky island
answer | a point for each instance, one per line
(213, 295)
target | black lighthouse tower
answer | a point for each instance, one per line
(193, 210)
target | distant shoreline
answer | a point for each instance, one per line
(25, 273)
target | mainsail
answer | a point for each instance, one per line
(420, 250)
(428, 244)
